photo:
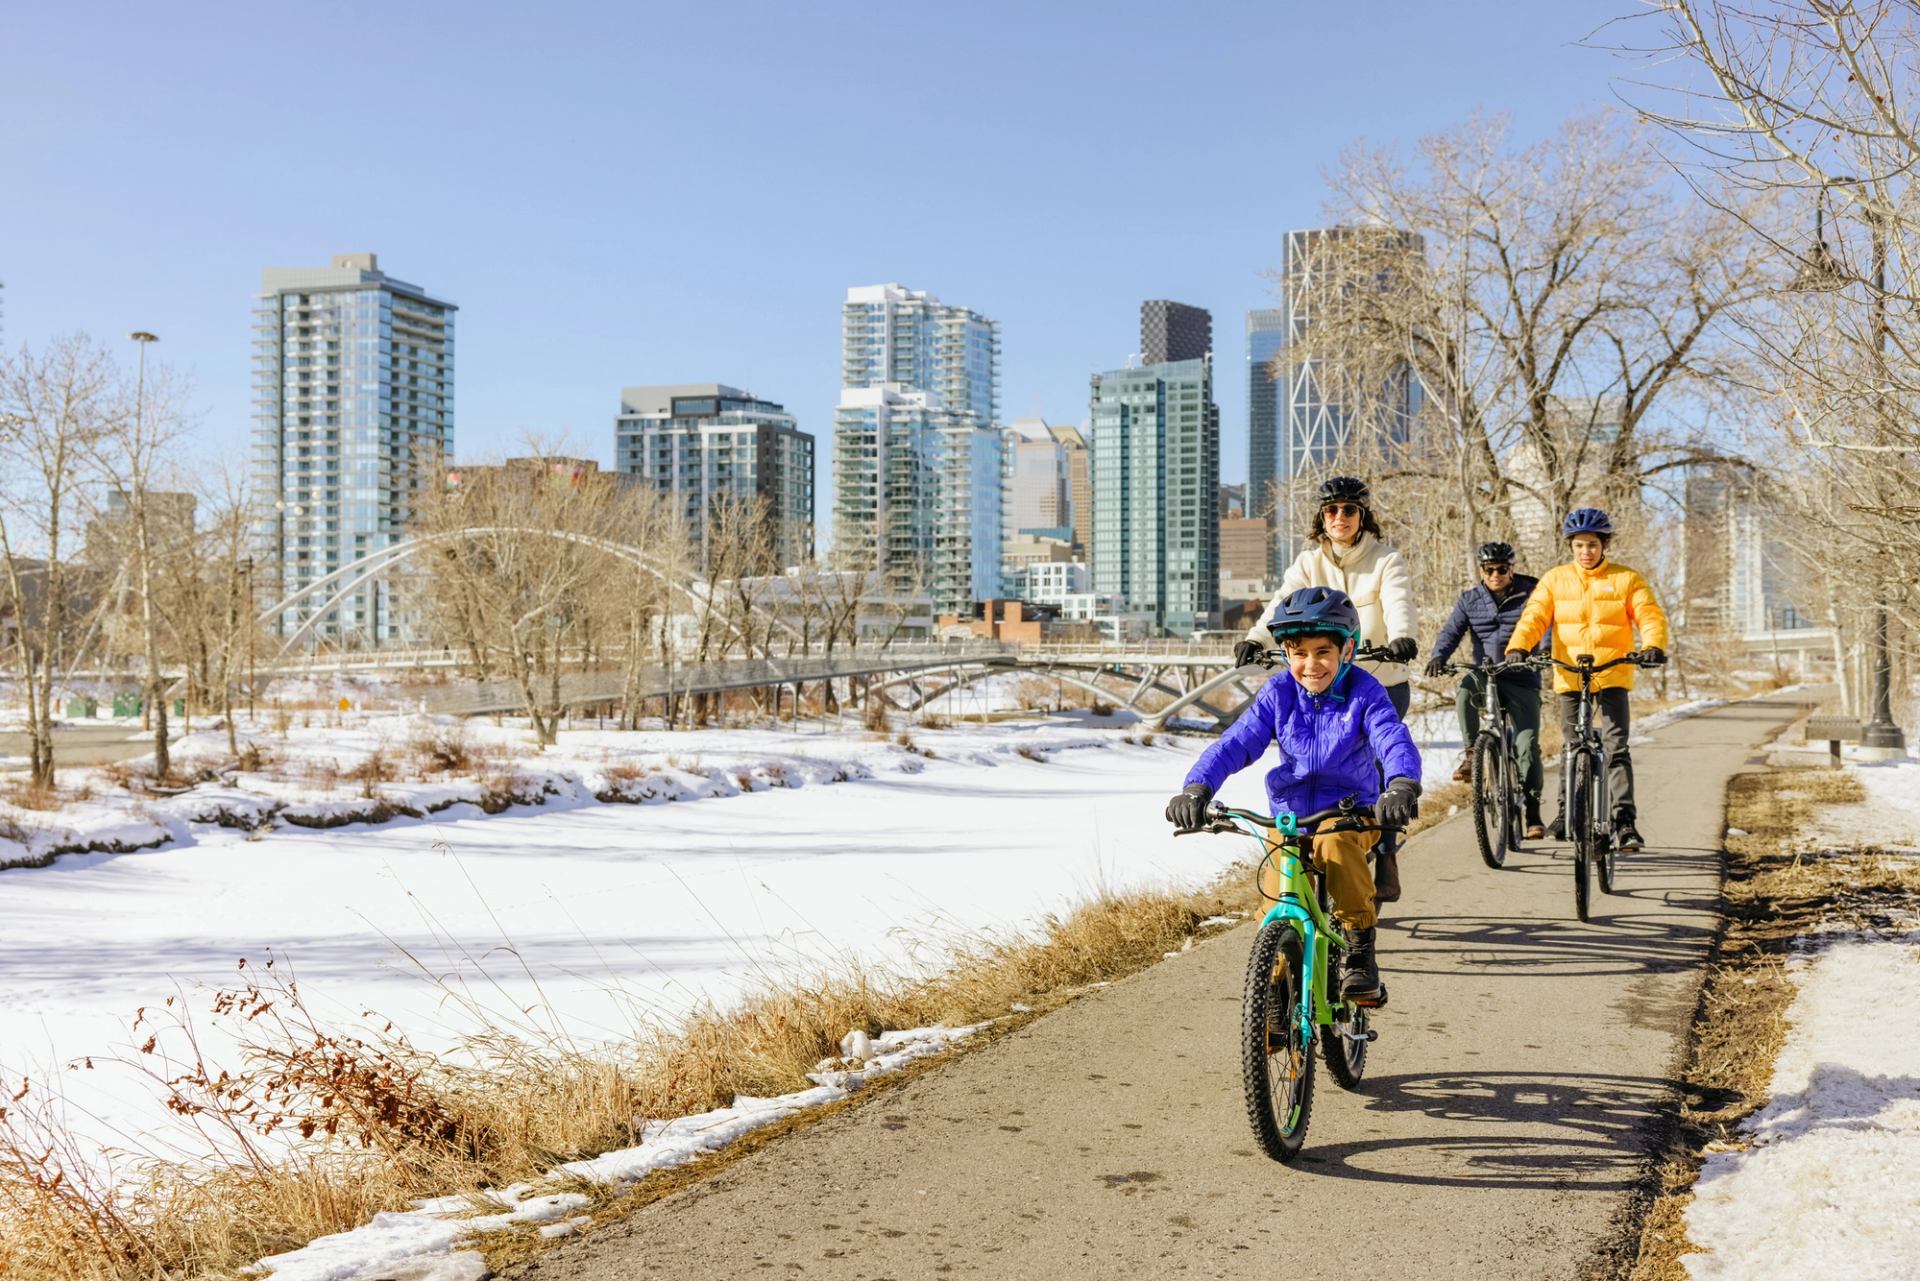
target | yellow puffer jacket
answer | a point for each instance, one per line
(1593, 611)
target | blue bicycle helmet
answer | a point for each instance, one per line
(1325, 611)
(1587, 520)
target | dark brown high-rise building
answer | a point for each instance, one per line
(1174, 331)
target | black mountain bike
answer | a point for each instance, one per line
(1499, 788)
(1587, 806)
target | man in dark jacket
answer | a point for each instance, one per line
(1489, 612)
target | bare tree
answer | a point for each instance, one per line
(1562, 310)
(519, 549)
(54, 407)
(154, 524)
(1814, 103)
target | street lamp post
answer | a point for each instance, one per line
(1881, 735)
(1881, 732)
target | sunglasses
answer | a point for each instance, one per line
(1341, 509)
(1496, 569)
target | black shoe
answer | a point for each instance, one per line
(1626, 836)
(1361, 982)
(1557, 830)
(1386, 876)
(1536, 830)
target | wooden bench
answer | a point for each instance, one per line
(1835, 730)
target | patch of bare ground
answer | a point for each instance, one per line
(1775, 891)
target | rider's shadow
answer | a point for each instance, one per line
(1534, 948)
(1509, 1130)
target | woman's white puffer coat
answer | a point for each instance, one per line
(1374, 574)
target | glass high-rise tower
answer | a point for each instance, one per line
(1317, 428)
(1155, 451)
(353, 393)
(917, 459)
(1266, 339)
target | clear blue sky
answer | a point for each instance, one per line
(619, 194)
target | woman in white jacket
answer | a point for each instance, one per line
(1344, 550)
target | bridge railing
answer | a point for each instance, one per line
(1129, 649)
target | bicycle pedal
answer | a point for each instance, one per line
(1372, 1002)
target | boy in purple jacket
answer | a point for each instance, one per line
(1336, 729)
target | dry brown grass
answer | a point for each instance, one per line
(39, 797)
(1772, 895)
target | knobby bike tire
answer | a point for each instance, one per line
(1516, 797)
(1270, 1030)
(1580, 827)
(1346, 1059)
(1604, 848)
(1490, 800)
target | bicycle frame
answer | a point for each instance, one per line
(1585, 741)
(1298, 904)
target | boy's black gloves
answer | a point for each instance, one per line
(1402, 649)
(1436, 667)
(1247, 653)
(1188, 811)
(1654, 654)
(1399, 803)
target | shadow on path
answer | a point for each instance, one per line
(1533, 948)
(1546, 1130)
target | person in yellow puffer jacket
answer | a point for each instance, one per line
(1594, 607)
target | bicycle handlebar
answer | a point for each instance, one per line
(1585, 662)
(1344, 818)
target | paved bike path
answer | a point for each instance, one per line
(1507, 1110)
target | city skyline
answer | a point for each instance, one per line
(567, 268)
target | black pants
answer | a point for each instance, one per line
(1610, 719)
(1401, 696)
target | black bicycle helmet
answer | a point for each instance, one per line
(1324, 611)
(1587, 520)
(1496, 553)
(1345, 489)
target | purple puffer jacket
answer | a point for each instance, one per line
(1328, 743)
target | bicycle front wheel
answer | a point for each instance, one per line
(1276, 1058)
(1490, 799)
(1580, 828)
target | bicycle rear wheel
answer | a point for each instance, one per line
(1580, 828)
(1490, 799)
(1276, 1060)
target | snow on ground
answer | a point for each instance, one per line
(1829, 1179)
(606, 919)
(1889, 817)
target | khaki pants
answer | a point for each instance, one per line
(1343, 856)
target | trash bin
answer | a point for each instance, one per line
(82, 708)
(126, 704)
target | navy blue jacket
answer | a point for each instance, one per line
(1491, 622)
(1328, 743)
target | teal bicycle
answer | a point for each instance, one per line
(1296, 953)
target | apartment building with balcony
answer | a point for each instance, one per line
(917, 458)
(353, 402)
(706, 444)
